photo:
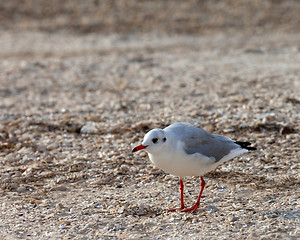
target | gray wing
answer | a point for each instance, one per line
(196, 140)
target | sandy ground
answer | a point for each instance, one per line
(73, 105)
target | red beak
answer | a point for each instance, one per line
(138, 148)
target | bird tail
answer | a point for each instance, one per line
(245, 145)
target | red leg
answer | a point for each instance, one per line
(181, 198)
(194, 208)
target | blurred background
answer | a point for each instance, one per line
(141, 16)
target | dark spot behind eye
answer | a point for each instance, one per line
(155, 140)
(164, 139)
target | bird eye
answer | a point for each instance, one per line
(155, 140)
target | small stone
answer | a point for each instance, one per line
(216, 199)
(52, 146)
(124, 168)
(13, 186)
(16, 174)
(121, 210)
(25, 150)
(118, 227)
(25, 137)
(65, 222)
(21, 189)
(156, 171)
(212, 209)
(11, 157)
(18, 146)
(45, 203)
(89, 128)
(268, 117)
(41, 148)
(59, 206)
(269, 155)
(26, 159)
(60, 188)
(252, 235)
(46, 173)
(63, 227)
(229, 130)
(295, 166)
(101, 154)
(209, 127)
(232, 218)
(94, 118)
(243, 125)
(143, 154)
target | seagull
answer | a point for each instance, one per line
(184, 150)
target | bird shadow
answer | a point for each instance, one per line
(256, 181)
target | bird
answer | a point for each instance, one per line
(182, 149)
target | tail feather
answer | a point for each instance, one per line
(245, 145)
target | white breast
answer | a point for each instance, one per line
(177, 162)
(180, 164)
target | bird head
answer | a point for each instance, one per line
(153, 141)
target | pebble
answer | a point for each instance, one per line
(59, 206)
(11, 157)
(21, 189)
(243, 125)
(89, 128)
(25, 137)
(52, 146)
(268, 117)
(229, 130)
(156, 171)
(212, 209)
(60, 188)
(25, 150)
(18, 146)
(41, 148)
(124, 168)
(232, 218)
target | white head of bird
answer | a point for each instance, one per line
(153, 142)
